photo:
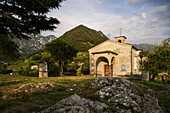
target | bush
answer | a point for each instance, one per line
(36, 57)
(28, 72)
(53, 69)
(5, 71)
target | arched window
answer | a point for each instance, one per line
(123, 67)
(119, 41)
(44, 66)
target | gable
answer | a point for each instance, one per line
(109, 45)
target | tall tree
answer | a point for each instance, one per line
(8, 49)
(61, 51)
(157, 61)
(19, 18)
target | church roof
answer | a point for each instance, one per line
(126, 44)
(120, 37)
(107, 51)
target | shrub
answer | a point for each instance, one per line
(28, 72)
(5, 71)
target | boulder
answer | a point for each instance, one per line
(167, 89)
(76, 104)
(121, 94)
(126, 95)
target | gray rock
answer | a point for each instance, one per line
(167, 89)
(75, 104)
(34, 87)
(127, 96)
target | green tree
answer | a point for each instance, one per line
(61, 51)
(157, 61)
(19, 18)
(163, 51)
(8, 48)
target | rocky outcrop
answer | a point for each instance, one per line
(35, 87)
(166, 89)
(76, 104)
(126, 95)
(122, 96)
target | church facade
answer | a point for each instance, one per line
(114, 58)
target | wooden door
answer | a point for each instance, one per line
(106, 70)
(112, 70)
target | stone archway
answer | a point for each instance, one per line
(102, 66)
(113, 66)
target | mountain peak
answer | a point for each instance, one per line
(83, 37)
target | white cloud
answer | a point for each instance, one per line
(140, 27)
(161, 12)
(135, 2)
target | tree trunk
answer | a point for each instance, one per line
(153, 77)
(61, 67)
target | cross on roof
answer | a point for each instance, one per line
(120, 31)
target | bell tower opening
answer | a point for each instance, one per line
(121, 39)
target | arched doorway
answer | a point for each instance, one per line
(102, 66)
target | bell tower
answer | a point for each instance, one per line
(121, 39)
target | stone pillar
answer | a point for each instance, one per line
(110, 66)
(110, 70)
(43, 70)
(145, 76)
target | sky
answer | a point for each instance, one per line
(141, 21)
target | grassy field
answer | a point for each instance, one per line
(39, 100)
(20, 65)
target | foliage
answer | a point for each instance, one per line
(8, 48)
(18, 19)
(53, 68)
(28, 72)
(72, 67)
(5, 71)
(61, 51)
(21, 64)
(158, 60)
(163, 51)
(79, 65)
(83, 38)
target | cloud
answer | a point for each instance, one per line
(162, 12)
(140, 26)
(140, 15)
(135, 2)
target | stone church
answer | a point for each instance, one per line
(114, 58)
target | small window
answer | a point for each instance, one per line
(123, 67)
(119, 41)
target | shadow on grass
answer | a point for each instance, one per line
(156, 85)
(10, 83)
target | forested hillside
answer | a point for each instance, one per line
(83, 37)
(144, 47)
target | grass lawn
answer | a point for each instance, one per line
(39, 100)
